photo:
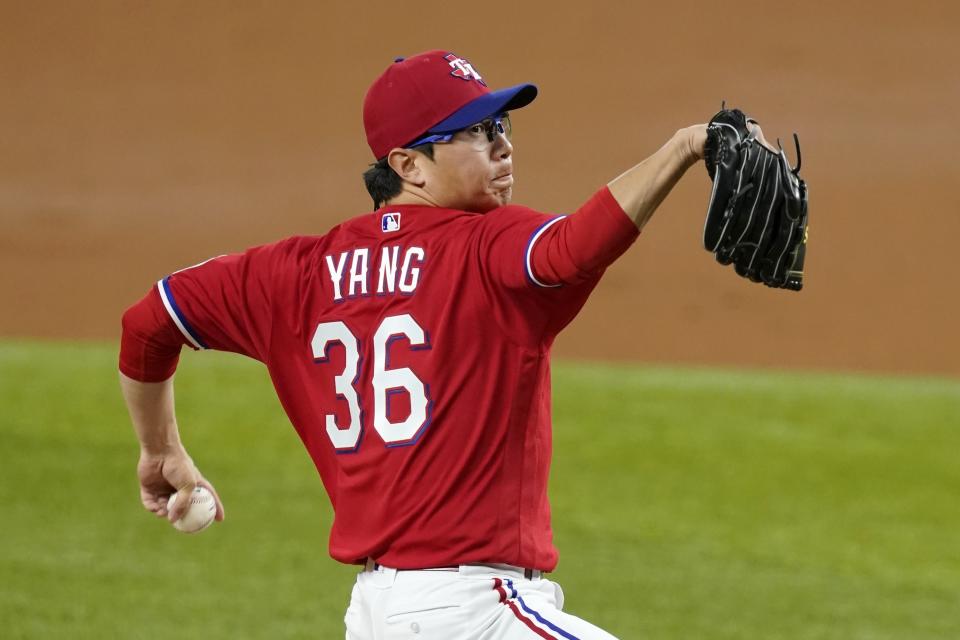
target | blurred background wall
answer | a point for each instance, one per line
(141, 137)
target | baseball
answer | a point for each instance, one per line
(200, 514)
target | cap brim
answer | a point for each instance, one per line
(486, 106)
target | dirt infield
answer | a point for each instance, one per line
(139, 138)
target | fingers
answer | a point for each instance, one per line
(155, 488)
(153, 503)
(181, 503)
(753, 126)
(220, 512)
(167, 482)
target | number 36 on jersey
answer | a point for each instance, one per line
(346, 438)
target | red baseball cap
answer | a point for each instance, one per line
(432, 92)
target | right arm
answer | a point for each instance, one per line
(640, 190)
(580, 246)
(586, 242)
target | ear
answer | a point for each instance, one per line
(407, 164)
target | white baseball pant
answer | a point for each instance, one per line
(474, 602)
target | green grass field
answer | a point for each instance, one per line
(687, 504)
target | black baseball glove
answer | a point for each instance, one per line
(757, 216)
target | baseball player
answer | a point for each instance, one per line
(410, 348)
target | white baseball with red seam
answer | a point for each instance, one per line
(199, 515)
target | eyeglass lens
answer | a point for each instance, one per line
(500, 124)
(482, 134)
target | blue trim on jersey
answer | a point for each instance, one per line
(183, 319)
(526, 255)
(544, 622)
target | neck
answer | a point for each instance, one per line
(418, 197)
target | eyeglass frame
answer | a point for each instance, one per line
(492, 130)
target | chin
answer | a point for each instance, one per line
(503, 197)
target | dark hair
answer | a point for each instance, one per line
(382, 181)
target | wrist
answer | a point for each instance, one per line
(161, 447)
(691, 141)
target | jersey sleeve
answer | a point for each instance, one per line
(226, 303)
(573, 249)
(150, 342)
(542, 268)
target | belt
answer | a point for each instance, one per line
(529, 574)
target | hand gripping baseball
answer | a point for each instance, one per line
(757, 215)
(163, 474)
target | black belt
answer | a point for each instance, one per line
(528, 574)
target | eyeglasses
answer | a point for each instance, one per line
(479, 135)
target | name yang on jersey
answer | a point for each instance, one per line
(352, 275)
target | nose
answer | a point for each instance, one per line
(502, 148)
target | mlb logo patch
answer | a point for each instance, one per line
(390, 222)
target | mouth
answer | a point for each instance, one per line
(503, 181)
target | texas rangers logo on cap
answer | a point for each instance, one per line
(462, 68)
(415, 97)
(390, 222)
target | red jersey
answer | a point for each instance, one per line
(410, 349)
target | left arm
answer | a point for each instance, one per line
(581, 245)
(640, 190)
